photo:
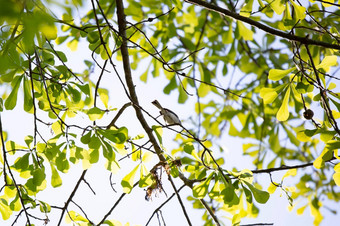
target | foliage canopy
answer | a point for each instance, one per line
(261, 70)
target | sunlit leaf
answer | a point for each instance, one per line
(127, 181)
(327, 62)
(201, 190)
(247, 8)
(11, 100)
(55, 178)
(95, 113)
(159, 132)
(283, 113)
(260, 196)
(243, 32)
(277, 74)
(277, 6)
(299, 11)
(5, 210)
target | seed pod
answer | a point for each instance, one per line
(308, 114)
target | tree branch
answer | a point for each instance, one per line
(71, 196)
(286, 167)
(261, 26)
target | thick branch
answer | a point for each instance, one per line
(261, 26)
(129, 81)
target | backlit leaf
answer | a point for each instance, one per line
(200, 190)
(127, 181)
(327, 62)
(55, 178)
(283, 113)
(95, 113)
(277, 74)
(243, 32)
(11, 100)
(260, 196)
(299, 11)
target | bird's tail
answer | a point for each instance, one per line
(157, 104)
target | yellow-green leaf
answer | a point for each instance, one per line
(336, 178)
(301, 210)
(95, 113)
(11, 100)
(327, 62)
(272, 188)
(247, 8)
(5, 211)
(244, 32)
(260, 196)
(291, 172)
(145, 177)
(127, 181)
(55, 179)
(73, 45)
(283, 113)
(305, 135)
(104, 96)
(50, 31)
(277, 74)
(277, 6)
(200, 190)
(227, 37)
(159, 132)
(299, 11)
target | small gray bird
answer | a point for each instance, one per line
(169, 116)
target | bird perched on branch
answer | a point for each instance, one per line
(169, 116)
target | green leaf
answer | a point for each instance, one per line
(127, 181)
(117, 136)
(326, 155)
(95, 113)
(11, 100)
(12, 146)
(326, 135)
(201, 190)
(270, 94)
(305, 135)
(243, 32)
(299, 11)
(55, 178)
(327, 62)
(5, 211)
(333, 145)
(277, 74)
(145, 177)
(28, 100)
(247, 8)
(62, 163)
(86, 138)
(159, 132)
(94, 155)
(21, 163)
(260, 196)
(283, 113)
(44, 207)
(94, 142)
(227, 37)
(277, 6)
(336, 178)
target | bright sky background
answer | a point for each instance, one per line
(134, 208)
